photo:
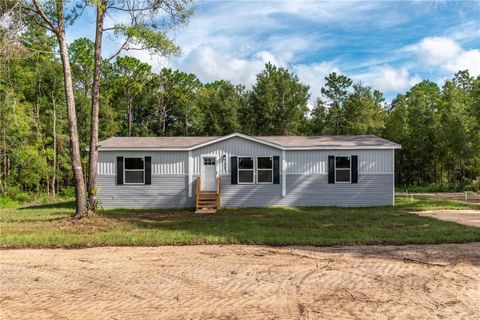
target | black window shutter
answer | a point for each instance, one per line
(119, 170)
(233, 170)
(148, 170)
(354, 169)
(331, 169)
(276, 170)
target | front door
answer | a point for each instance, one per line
(209, 174)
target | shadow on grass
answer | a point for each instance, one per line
(34, 220)
(56, 205)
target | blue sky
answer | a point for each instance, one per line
(385, 44)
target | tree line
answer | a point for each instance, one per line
(437, 126)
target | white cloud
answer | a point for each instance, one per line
(210, 64)
(436, 50)
(448, 54)
(467, 60)
(157, 62)
(387, 79)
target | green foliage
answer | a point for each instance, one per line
(30, 87)
(169, 105)
(148, 39)
(278, 102)
(364, 112)
(439, 132)
(150, 21)
(81, 59)
(220, 102)
(129, 78)
(7, 202)
(335, 93)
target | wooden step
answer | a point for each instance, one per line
(201, 206)
(205, 211)
(207, 196)
(207, 202)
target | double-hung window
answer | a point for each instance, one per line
(342, 169)
(246, 170)
(264, 170)
(134, 172)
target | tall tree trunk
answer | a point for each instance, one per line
(72, 117)
(164, 121)
(129, 114)
(93, 157)
(59, 30)
(54, 177)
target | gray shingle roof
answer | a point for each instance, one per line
(154, 142)
(288, 142)
(328, 141)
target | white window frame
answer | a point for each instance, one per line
(344, 169)
(257, 169)
(125, 169)
(238, 170)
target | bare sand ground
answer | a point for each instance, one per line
(471, 198)
(242, 282)
(467, 217)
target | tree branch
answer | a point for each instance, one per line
(123, 46)
(44, 16)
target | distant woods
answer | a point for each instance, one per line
(438, 127)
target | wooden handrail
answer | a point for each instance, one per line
(199, 189)
(199, 184)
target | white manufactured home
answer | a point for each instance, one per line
(244, 171)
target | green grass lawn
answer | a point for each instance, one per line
(50, 226)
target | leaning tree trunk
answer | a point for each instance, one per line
(93, 159)
(72, 120)
(54, 176)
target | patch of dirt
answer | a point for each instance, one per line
(242, 282)
(471, 196)
(466, 217)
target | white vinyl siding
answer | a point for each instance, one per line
(316, 161)
(163, 162)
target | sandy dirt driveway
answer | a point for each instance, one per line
(466, 217)
(242, 282)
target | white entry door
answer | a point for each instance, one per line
(209, 174)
